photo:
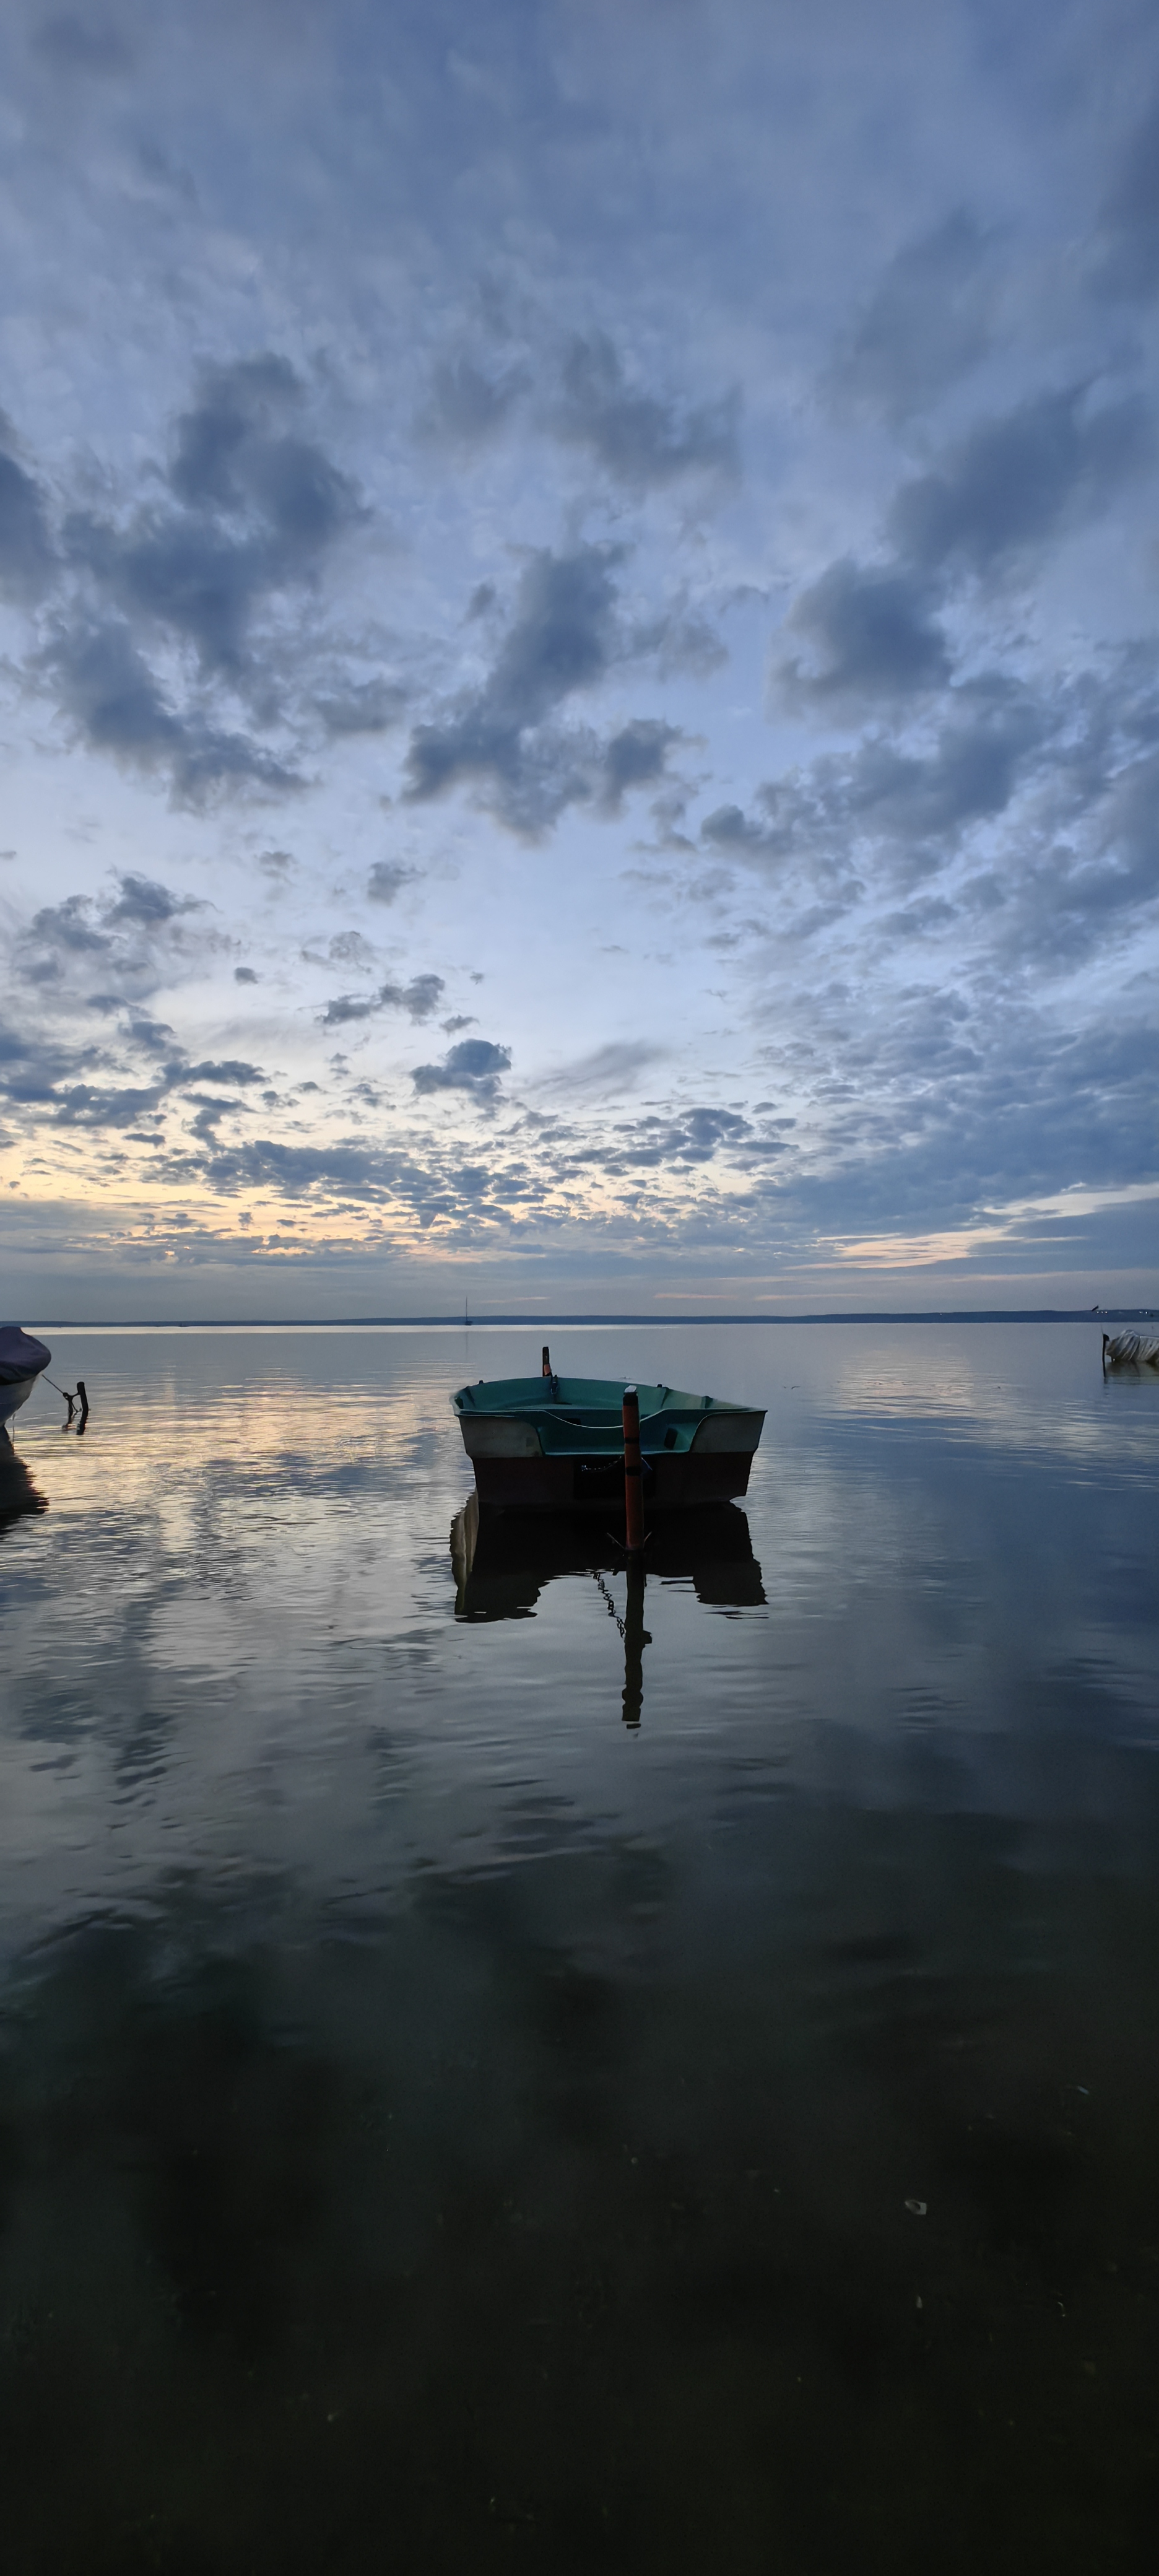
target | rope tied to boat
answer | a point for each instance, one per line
(72, 1401)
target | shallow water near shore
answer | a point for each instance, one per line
(478, 2089)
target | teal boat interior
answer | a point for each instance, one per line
(582, 1416)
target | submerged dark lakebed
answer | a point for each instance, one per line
(443, 2125)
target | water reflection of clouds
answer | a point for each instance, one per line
(232, 1644)
(1024, 1388)
(380, 1998)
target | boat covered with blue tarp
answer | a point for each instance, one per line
(22, 1358)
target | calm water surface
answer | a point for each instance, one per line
(470, 2100)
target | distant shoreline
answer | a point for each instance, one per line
(525, 1323)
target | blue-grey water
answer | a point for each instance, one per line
(465, 2104)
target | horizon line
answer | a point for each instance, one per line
(513, 1321)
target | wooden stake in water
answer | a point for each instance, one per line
(633, 1473)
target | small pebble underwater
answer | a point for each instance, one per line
(492, 2080)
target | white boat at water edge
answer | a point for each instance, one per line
(1130, 1350)
(22, 1359)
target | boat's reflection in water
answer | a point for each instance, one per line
(18, 1494)
(503, 1561)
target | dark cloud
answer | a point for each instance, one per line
(1082, 892)
(1013, 481)
(90, 44)
(869, 633)
(68, 925)
(362, 706)
(236, 403)
(88, 1105)
(235, 457)
(1044, 804)
(31, 1066)
(27, 560)
(63, 1080)
(992, 1109)
(639, 438)
(686, 1137)
(210, 1113)
(469, 404)
(419, 999)
(729, 828)
(250, 511)
(231, 1070)
(346, 1007)
(634, 757)
(970, 773)
(387, 879)
(184, 572)
(155, 1036)
(474, 1066)
(112, 693)
(124, 929)
(1128, 260)
(562, 639)
(245, 975)
(142, 900)
(916, 920)
(347, 948)
(1130, 832)
(108, 690)
(928, 320)
(346, 1165)
(682, 640)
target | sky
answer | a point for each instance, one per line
(579, 656)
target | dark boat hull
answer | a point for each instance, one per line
(576, 1484)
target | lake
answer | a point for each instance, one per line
(480, 2090)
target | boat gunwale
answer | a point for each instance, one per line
(516, 1398)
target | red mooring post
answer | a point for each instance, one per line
(546, 1361)
(633, 1473)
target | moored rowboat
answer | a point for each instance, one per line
(553, 1443)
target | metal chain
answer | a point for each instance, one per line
(613, 1613)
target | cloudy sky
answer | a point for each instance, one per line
(579, 605)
